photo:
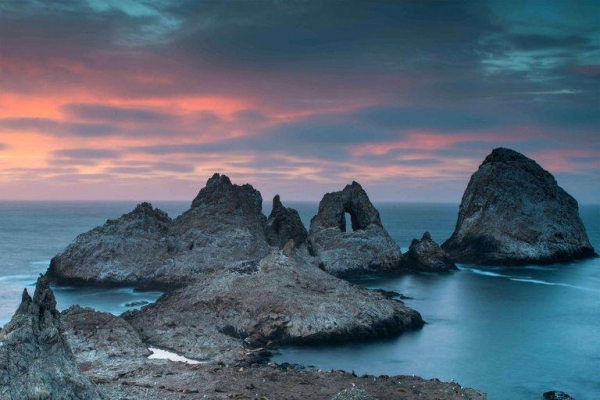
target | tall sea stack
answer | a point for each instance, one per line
(514, 213)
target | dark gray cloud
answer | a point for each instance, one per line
(542, 42)
(3, 146)
(98, 112)
(86, 153)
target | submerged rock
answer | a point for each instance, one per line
(224, 227)
(366, 248)
(556, 395)
(284, 224)
(227, 316)
(426, 255)
(36, 361)
(514, 213)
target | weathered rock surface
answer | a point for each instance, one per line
(514, 213)
(284, 224)
(123, 251)
(224, 227)
(36, 361)
(367, 248)
(129, 374)
(227, 316)
(427, 256)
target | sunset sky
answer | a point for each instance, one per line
(145, 100)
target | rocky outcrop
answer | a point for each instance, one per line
(227, 316)
(224, 227)
(126, 250)
(427, 256)
(514, 213)
(365, 248)
(36, 361)
(284, 224)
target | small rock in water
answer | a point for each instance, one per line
(556, 395)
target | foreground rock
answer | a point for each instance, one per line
(223, 227)
(427, 256)
(36, 362)
(366, 248)
(514, 213)
(231, 316)
(130, 374)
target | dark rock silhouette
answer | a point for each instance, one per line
(284, 224)
(224, 227)
(366, 248)
(427, 255)
(36, 361)
(514, 213)
(556, 395)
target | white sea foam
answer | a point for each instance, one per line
(494, 274)
(167, 355)
(539, 282)
(17, 277)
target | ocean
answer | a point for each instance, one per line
(511, 332)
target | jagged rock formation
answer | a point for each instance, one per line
(36, 362)
(367, 248)
(226, 316)
(427, 256)
(284, 224)
(224, 227)
(514, 213)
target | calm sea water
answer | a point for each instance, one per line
(512, 332)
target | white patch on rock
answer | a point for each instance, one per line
(167, 355)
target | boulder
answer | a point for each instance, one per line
(514, 213)
(229, 316)
(365, 247)
(284, 224)
(224, 227)
(427, 256)
(36, 361)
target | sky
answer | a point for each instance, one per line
(145, 100)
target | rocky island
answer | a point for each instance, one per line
(514, 213)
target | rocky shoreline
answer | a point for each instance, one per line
(238, 285)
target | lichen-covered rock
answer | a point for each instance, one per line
(353, 393)
(427, 256)
(224, 227)
(284, 224)
(366, 248)
(36, 361)
(227, 315)
(514, 213)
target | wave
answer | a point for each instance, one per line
(17, 277)
(539, 282)
(494, 274)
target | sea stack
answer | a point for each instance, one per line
(365, 247)
(36, 361)
(514, 213)
(425, 255)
